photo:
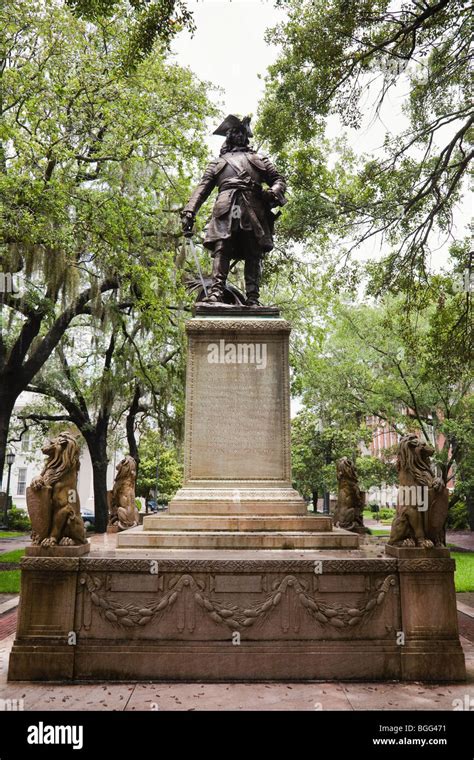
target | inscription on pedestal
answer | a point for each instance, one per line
(237, 424)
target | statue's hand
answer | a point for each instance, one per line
(187, 222)
(37, 483)
(271, 198)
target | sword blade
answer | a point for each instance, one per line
(192, 248)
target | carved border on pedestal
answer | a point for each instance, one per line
(238, 325)
(50, 563)
(431, 565)
(126, 565)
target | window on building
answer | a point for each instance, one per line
(25, 441)
(21, 487)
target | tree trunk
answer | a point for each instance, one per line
(470, 508)
(6, 409)
(101, 508)
(314, 496)
(134, 409)
(97, 445)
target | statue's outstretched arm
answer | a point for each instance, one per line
(200, 194)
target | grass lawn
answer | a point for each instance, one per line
(464, 576)
(10, 579)
(14, 556)
(9, 582)
(12, 534)
(380, 531)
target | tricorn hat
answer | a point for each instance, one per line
(233, 122)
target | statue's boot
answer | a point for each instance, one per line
(220, 270)
(253, 273)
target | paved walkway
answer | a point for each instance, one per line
(236, 696)
(462, 538)
(11, 544)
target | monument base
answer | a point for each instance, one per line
(215, 616)
(58, 551)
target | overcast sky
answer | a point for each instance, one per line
(228, 49)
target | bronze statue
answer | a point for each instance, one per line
(52, 498)
(423, 498)
(241, 227)
(123, 512)
(350, 503)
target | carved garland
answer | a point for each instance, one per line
(129, 615)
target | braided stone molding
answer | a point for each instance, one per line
(124, 565)
(426, 565)
(70, 564)
(264, 324)
(110, 564)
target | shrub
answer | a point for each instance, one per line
(386, 514)
(458, 517)
(18, 519)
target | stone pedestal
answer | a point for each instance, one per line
(237, 428)
(237, 490)
(220, 616)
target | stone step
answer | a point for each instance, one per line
(222, 507)
(245, 523)
(137, 538)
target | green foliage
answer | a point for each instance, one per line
(149, 21)
(373, 471)
(315, 451)
(18, 519)
(170, 475)
(95, 162)
(386, 514)
(336, 58)
(404, 366)
(458, 517)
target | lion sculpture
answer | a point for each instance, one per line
(123, 512)
(350, 502)
(423, 498)
(52, 498)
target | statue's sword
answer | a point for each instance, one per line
(190, 245)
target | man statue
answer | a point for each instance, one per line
(241, 227)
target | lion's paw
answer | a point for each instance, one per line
(66, 542)
(48, 542)
(408, 542)
(425, 543)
